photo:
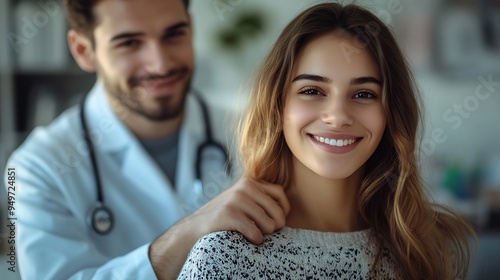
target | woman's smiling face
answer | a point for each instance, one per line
(333, 117)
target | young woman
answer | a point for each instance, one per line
(333, 118)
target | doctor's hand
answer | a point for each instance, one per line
(252, 208)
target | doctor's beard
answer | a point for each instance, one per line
(133, 100)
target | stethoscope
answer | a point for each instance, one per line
(100, 218)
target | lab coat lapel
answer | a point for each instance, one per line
(113, 137)
(192, 135)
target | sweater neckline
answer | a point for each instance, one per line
(320, 237)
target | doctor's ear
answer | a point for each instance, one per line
(82, 50)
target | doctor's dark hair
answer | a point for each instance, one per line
(426, 241)
(80, 15)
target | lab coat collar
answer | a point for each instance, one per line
(107, 131)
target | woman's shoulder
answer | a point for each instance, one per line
(288, 253)
(216, 256)
(221, 240)
(234, 244)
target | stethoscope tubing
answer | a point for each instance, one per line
(100, 207)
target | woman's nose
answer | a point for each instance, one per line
(336, 113)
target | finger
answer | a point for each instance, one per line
(251, 232)
(240, 219)
(272, 209)
(277, 192)
(258, 212)
(272, 198)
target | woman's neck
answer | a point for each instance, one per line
(324, 204)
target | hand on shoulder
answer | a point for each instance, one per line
(250, 207)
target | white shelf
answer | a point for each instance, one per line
(6, 92)
(7, 111)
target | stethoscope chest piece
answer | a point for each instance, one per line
(100, 219)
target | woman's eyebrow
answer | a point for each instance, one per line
(326, 80)
(310, 77)
(365, 80)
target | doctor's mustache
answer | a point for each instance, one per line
(152, 78)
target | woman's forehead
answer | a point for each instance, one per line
(337, 56)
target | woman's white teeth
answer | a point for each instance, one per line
(333, 142)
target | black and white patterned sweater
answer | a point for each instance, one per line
(287, 254)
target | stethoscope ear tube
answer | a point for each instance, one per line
(199, 155)
(209, 142)
(205, 192)
(100, 218)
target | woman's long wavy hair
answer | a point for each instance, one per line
(426, 241)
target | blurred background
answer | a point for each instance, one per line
(453, 47)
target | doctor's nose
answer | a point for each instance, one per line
(336, 114)
(158, 59)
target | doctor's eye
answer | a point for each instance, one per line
(129, 43)
(175, 34)
(309, 91)
(364, 95)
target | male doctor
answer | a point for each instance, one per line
(145, 127)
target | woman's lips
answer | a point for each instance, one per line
(336, 142)
(338, 145)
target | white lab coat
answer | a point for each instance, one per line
(56, 188)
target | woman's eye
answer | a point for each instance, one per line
(309, 91)
(364, 95)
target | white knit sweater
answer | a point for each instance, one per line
(287, 254)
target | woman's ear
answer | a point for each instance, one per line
(82, 50)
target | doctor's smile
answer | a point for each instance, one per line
(161, 86)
